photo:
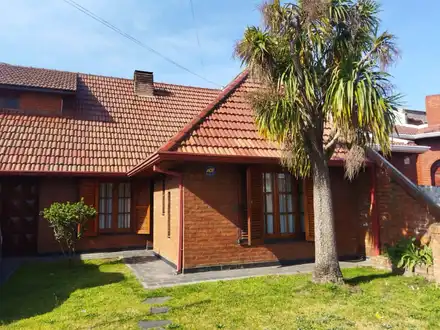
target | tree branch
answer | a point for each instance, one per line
(332, 141)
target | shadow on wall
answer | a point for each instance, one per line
(39, 288)
(215, 210)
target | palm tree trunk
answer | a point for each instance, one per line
(326, 258)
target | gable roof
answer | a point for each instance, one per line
(110, 129)
(227, 128)
(21, 76)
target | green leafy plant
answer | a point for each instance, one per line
(67, 221)
(408, 253)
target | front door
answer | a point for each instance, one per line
(19, 216)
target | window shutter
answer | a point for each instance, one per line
(88, 190)
(142, 219)
(309, 215)
(254, 188)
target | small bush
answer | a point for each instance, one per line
(67, 221)
(408, 253)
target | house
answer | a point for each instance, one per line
(425, 131)
(181, 170)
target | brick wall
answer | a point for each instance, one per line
(66, 189)
(53, 190)
(433, 109)
(399, 213)
(435, 246)
(426, 160)
(212, 221)
(410, 168)
(166, 246)
(41, 103)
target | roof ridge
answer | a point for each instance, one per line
(155, 82)
(37, 68)
(104, 76)
(188, 128)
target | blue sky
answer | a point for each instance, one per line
(52, 34)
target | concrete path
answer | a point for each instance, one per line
(153, 273)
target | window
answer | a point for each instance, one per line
(105, 205)
(114, 206)
(283, 205)
(163, 196)
(9, 102)
(169, 215)
(124, 199)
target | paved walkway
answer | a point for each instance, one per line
(154, 273)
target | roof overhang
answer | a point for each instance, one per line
(411, 149)
(37, 89)
(418, 136)
(65, 173)
(162, 156)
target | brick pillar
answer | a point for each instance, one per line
(435, 246)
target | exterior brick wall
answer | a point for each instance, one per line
(53, 190)
(435, 246)
(41, 103)
(399, 213)
(433, 109)
(427, 159)
(165, 246)
(212, 221)
(410, 169)
(66, 189)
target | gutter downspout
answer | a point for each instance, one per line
(374, 213)
(157, 169)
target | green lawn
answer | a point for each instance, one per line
(104, 294)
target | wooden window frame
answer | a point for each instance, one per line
(115, 208)
(169, 215)
(298, 233)
(163, 195)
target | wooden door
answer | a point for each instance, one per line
(19, 216)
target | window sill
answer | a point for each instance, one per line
(109, 233)
(279, 240)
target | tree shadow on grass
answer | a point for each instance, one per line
(39, 288)
(368, 278)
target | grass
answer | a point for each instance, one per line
(105, 295)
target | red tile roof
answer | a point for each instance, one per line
(20, 76)
(228, 128)
(110, 131)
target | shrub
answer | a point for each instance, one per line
(408, 253)
(67, 221)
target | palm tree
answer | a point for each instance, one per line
(322, 67)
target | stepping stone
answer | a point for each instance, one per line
(159, 310)
(156, 300)
(153, 324)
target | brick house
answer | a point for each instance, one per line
(423, 128)
(181, 170)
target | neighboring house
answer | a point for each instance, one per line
(424, 129)
(180, 169)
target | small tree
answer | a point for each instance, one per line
(68, 220)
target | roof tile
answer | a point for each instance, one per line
(110, 130)
(21, 76)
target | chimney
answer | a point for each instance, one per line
(433, 109)
(143, 83)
